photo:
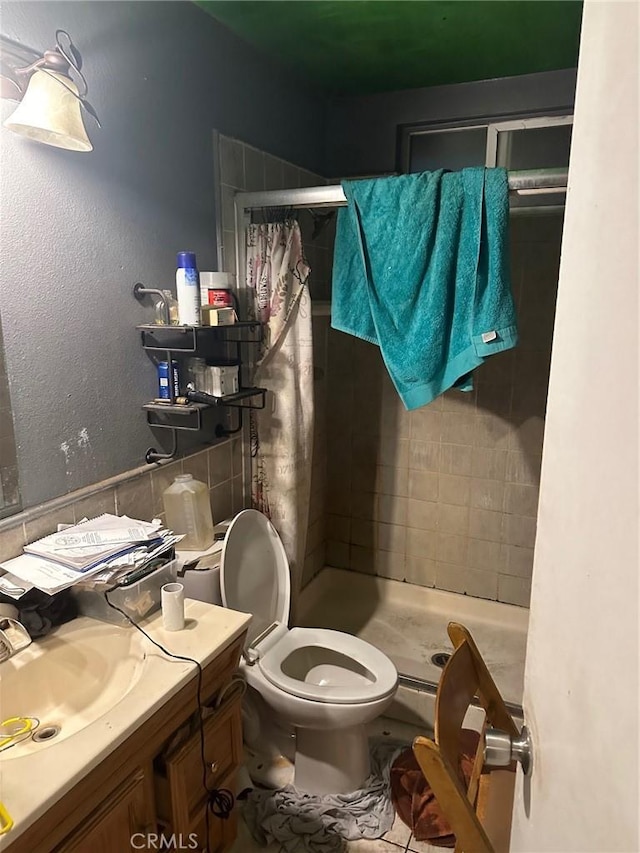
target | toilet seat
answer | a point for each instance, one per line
(310, 663)
(360, 672)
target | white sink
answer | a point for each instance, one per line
(69, 679)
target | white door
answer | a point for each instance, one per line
(581, 683)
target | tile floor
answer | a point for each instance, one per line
(399, 837)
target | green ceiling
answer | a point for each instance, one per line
(364, 46)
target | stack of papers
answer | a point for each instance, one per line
(100, 550)
(87, 544)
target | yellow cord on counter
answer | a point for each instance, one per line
(25, 725)
(5, 820)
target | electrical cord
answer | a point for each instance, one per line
(22, 737)
(220, 801)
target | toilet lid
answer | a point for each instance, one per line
(254, 572)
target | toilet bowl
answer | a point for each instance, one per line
(326, 684)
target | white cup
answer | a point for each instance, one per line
(172, 597)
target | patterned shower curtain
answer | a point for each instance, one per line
(282, 432)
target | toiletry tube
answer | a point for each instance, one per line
(172, 595)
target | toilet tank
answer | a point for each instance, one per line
(202, 583)
(199, 571)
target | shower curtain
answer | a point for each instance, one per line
(282, 432)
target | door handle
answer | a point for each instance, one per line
(501, 749)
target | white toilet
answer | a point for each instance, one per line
(325, 684)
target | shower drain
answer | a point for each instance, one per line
(440, 659)
(45, 733)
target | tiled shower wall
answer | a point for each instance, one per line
(247, 169)
(447, 495)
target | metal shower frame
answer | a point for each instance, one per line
(522, 183)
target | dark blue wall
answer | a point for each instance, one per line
(79, 229)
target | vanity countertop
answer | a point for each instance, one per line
(31, 783)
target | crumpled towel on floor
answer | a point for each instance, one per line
(414, 800)
(322, 824)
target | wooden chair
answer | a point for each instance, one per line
(468, 811)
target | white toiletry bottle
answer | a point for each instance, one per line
(186, 504)
(188, 287)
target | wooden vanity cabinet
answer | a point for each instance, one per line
(145, 792)
(181, 799)
(126, 814)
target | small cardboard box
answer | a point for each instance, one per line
(223, 380)
(217, 316)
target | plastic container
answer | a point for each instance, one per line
(161, 310)
(197, 370)
(188, 511)
(215, 289)
(188, 287)
(138, 600)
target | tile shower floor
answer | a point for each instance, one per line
(399, 837)
(409, 623)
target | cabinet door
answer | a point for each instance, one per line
(180, 796)
(222, 833)
(111, 827)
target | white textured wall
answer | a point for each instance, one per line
(581, 682)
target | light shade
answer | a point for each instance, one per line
(50, 113)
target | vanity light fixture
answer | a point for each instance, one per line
(52, 92)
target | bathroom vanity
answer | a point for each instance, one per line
(134, 772)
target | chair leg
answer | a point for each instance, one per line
(452, 798)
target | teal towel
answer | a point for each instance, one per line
(421, 268)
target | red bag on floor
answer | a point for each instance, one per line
(415, 802)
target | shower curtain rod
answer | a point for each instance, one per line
(532, 181)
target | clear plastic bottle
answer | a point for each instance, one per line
(197, 369)
(161, 311)
(186, 504)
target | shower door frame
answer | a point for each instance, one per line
(524, 182)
